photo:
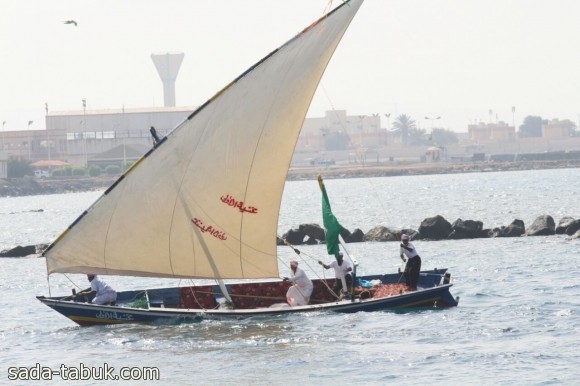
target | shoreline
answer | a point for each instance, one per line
(426, 169)
(29, 186)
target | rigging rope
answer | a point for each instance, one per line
(69, 279)
(374, 190)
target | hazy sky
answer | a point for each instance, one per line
(456, 59)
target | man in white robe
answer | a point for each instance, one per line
(299, 293)
(103, 293)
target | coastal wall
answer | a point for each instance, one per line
(28, 186)
(425, 169)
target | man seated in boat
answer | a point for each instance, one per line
(341, 268)
(103, 293)
(299, 293)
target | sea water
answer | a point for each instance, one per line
(517, 322)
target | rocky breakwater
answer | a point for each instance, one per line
(438, 228)
(431, 228)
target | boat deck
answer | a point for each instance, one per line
(245, 295)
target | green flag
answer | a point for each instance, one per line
(331, 225)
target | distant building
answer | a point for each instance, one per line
(121, 155)
(491, 132)
(339, 131)
(78, 136)
(85, 137)
(556, 129)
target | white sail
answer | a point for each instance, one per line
(205, 203)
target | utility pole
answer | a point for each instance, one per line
(3, 123)
(47, 136)
(29, 140)
(85, 131)
(432, 124)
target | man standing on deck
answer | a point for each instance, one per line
(342, 269)
(413, 266)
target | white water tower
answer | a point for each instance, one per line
(168, 66)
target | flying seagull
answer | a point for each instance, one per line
(70, 22)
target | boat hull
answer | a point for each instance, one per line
(433, 291)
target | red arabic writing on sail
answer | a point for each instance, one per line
(229, 200)
(209, 229)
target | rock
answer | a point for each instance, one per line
(313, 231)
(542, 226)
(564, 223)
(574, 236)
(380, 233)
(19, 251)
(355, 237)
(294, 236)
(413, 234)
(515, 229)
(467, 229)
(311, 241)
(573, 228)
(309, 234)
(435, 228)
(345, 234)
(40, 247)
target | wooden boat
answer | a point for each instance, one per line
(264, 299)
(203, 203)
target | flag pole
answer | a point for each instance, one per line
(332, 231)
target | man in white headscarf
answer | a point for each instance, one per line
(413, 259)
(343, 273)
(299, 293)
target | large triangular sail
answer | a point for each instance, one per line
(205, 202)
